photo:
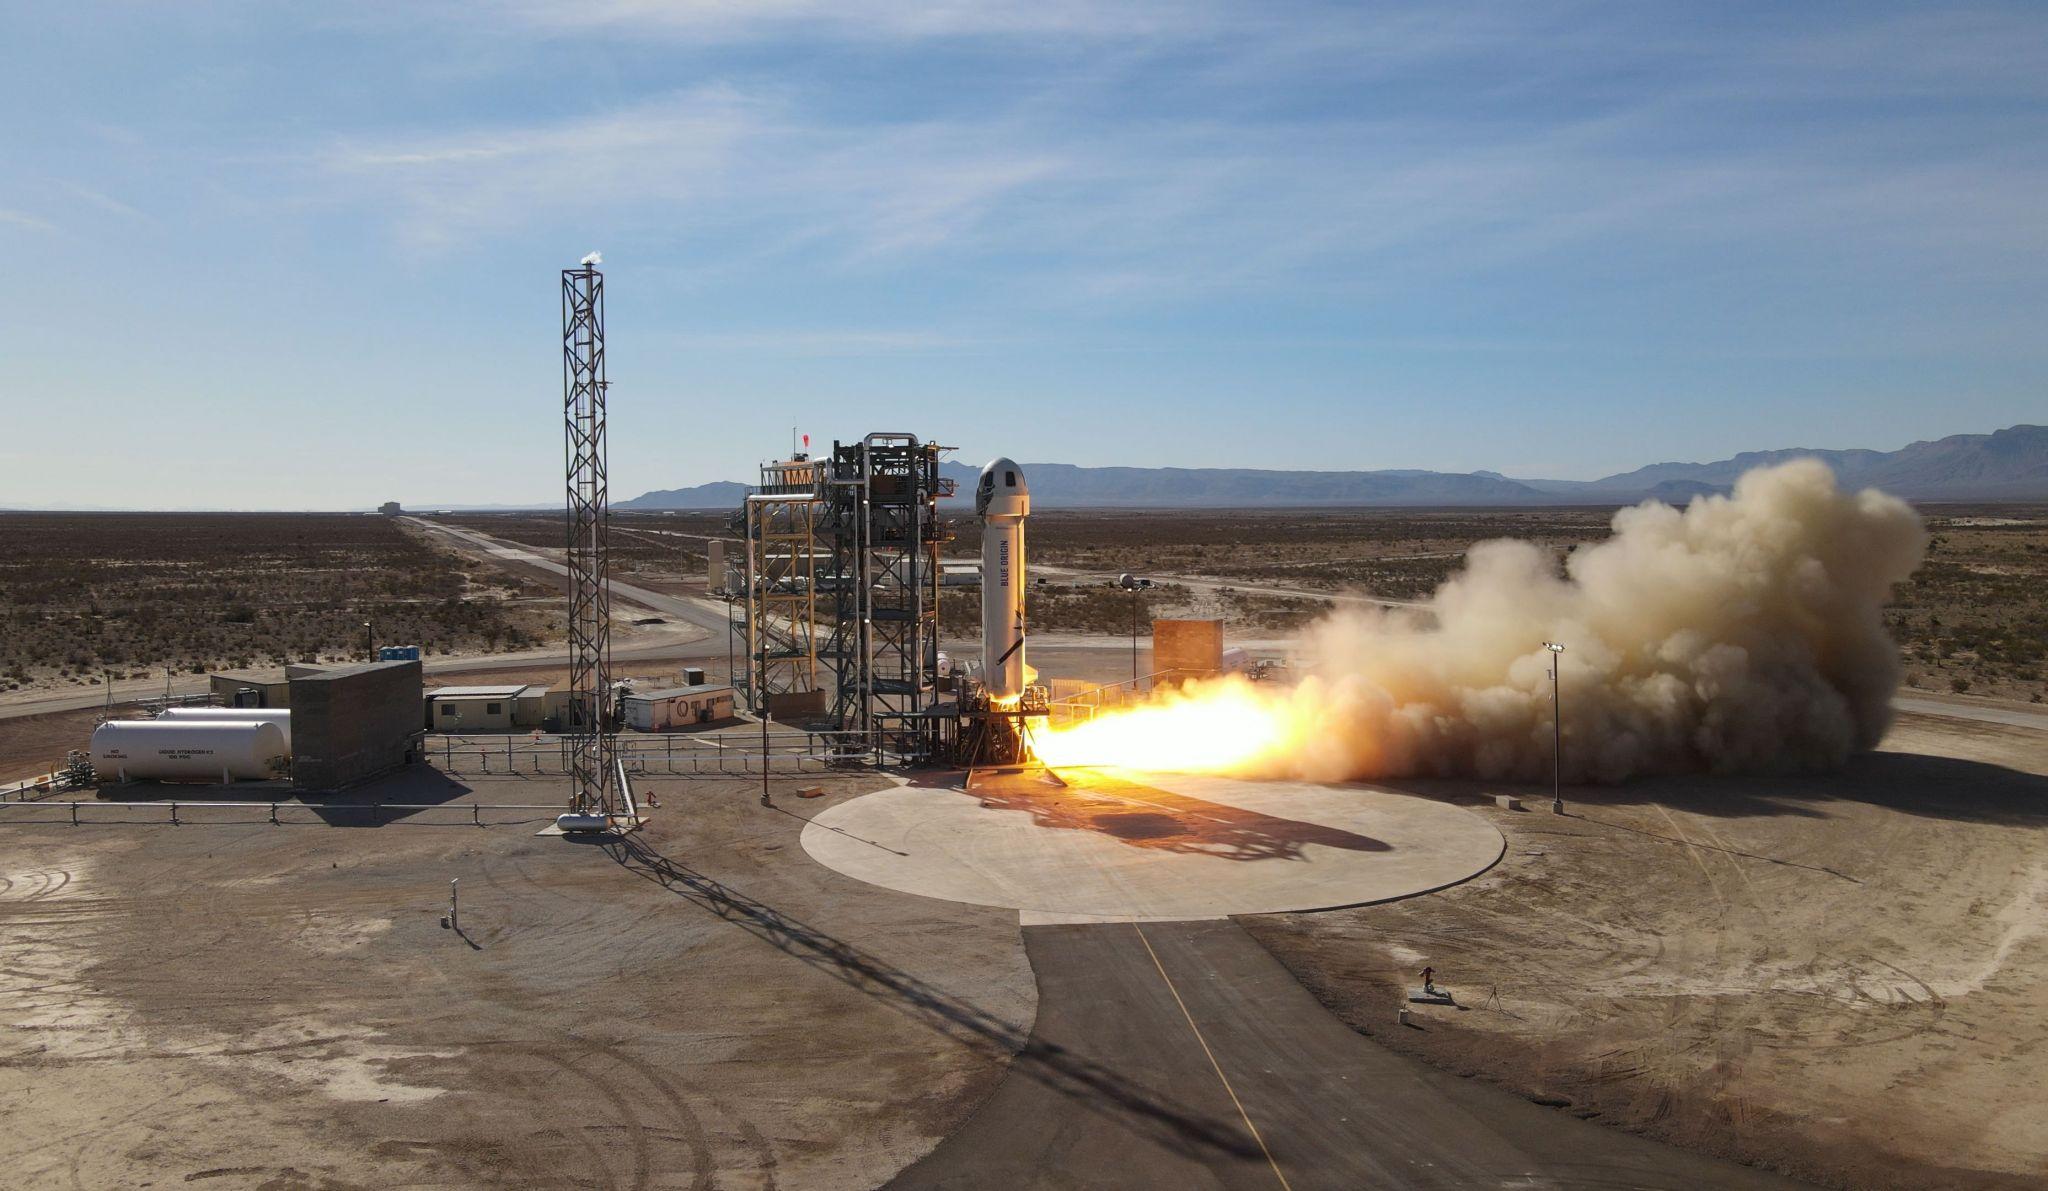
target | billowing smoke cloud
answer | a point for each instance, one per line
(1741, 634)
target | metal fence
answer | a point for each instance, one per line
(735, 753)
(158, 704)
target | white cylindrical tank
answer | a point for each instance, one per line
(191, 750)
(1002, 502)
(281, 716)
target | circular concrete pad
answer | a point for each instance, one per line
(1112, 845)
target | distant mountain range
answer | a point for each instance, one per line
(2010, 464)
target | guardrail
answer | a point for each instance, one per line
(45, 786)
(189, 805)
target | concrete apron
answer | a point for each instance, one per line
(1118, 846)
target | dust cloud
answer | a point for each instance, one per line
(1741, 634)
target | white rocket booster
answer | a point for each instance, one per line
(1002, 502)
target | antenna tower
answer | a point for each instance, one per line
(594, 789)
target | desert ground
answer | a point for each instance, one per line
(131, 596)
(1844, 977)
(207, 1004)
(1973, 620)
(1836, 979)
(86, 595)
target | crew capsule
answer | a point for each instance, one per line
(1002, 501)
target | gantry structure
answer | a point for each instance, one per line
(781, 522)
(843, 588)
(885, 535)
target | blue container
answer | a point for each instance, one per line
(398, 653)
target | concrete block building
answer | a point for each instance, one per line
(352, 723)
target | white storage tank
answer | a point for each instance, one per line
(192, 750)
(282, 717)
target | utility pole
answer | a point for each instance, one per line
(1556, 733)
(369, 643)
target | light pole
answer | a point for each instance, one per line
(1134, 585)
(1556, 732)
(369, 643)
(765, 717)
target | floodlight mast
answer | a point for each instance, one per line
(593, 776)
(1556, 732)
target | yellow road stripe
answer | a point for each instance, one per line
(1217, 1067)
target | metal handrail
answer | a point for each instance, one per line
(1110, 686)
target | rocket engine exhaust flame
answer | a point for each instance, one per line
(1741, 634)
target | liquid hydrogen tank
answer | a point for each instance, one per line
(189, 750)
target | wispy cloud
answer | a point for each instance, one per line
(715, 157)
(829, 342)
(1232, 170)
(24, 219)
(449, 186)
(865, 19)
(1256, 179)
(104, 202)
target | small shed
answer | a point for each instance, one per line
(251, 688)
(677, 707)
(485, 708)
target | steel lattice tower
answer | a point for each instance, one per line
(594, 788)
(884, 571)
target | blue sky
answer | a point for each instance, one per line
(306, 255)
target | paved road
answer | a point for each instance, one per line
(1182, 1055)
(705, 614)
(1199, 583)
(1981, 712)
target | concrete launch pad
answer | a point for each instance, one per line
(1112, 845)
